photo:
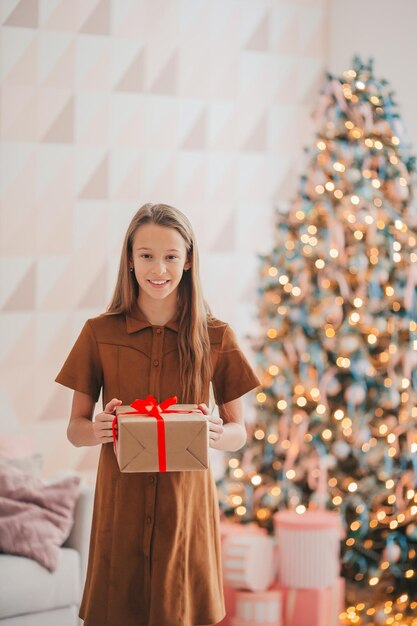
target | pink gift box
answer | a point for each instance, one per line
(230, 605)
(313, 607)
(308, 548)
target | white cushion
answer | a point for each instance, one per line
(58, 617)
(27, 587)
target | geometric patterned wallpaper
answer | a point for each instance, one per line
(106, 105)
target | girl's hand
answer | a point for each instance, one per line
(103, 421)
(215, 423)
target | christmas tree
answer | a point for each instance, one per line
(337, 351)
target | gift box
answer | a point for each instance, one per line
(249, 561)
(308, 548)
(164, 437)
(312, 607)
(258, 609)
(228, 529)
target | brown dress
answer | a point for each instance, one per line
(154, 550)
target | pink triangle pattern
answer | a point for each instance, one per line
(62, 18)
(288, 41)
(18, 117)
(62, 129)
(50, 105)
(55, 186)
(25, 71)
(98, 22)
(97, 77)
(131, 186)
(25, 15)
(133, 132)
(56, 237)
(62, 75)
(166, 82)
(166, 184)
(224, 192)
(20, 192)
(80, 271)
(195, 189)
(224, 241)
(259, 40)
(98, 184)
(133, 79)
(23, 297)
(17, 227)
(95, 294)
(197, 137)
(97, 132)
(23, 351)
(257, 141)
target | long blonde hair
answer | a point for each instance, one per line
(194, 312)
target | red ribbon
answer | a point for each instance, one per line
(151, 408)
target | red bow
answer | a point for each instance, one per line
(153, 409)
(150, 407)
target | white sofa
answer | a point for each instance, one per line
(32, 596)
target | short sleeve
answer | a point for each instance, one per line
(82, 371)
(233, 376)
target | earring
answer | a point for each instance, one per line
(131, 269)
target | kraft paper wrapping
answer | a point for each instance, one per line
(186, 437)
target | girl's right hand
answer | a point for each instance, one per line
(103, 421)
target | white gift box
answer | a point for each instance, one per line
(249, 561)
(258, 609)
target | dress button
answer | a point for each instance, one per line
(158, 331)
(148, 519)
(151, 479)
(156, 362)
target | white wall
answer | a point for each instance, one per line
(387, 31)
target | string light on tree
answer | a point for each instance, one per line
(337, 416)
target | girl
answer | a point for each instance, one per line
(154, 551)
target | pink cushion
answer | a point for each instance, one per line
(35, 518)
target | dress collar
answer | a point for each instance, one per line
(136, 320)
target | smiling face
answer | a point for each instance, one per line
(159, 258)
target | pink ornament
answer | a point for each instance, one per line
(334, 387)
(349, 343)
(355, 394)
(392, 553)
(362, 436)
(341, 449)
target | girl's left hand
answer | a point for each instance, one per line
(215, 423)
